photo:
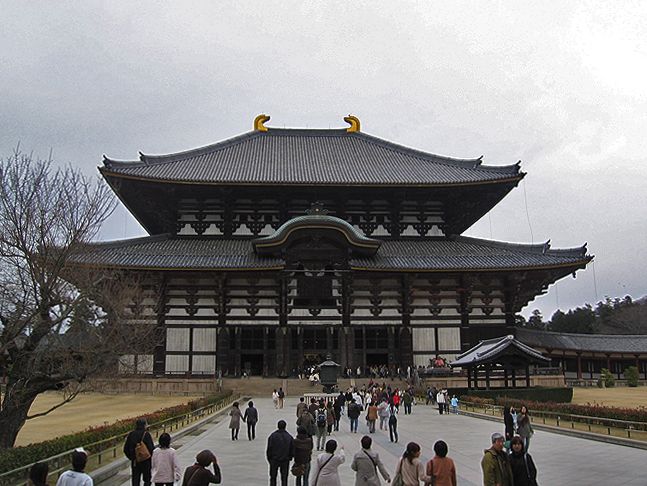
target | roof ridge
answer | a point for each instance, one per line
(162, 159)
(130, 241)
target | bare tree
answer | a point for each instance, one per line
(59, 323)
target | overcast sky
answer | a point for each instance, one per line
(561, 86)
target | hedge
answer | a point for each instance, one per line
(537, 394)
(617, 413)
(21, 456)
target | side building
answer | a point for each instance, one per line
(270, 250)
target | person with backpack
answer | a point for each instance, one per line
(366, 464)
(322, 424)
(354, 411)
(139, 449)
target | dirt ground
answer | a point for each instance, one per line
(613, 397)
(87, 410)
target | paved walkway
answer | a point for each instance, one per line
(561, 460)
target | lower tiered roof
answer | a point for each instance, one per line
(459, 254)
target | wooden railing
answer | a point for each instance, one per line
(110, 449)
(598, 425)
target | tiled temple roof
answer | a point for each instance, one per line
(602, 343)
(308, 156)
(489, 350)
(458, 254)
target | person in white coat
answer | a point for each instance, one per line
(325, 471)
(164, 465)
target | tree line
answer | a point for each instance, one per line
(609, 316)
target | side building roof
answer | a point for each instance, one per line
(597, 343)
(491, 350)
(310, 156)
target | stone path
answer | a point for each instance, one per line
(561, 460)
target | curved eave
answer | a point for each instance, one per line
(144, 268)
(281, 236)
(487, 182)
(574, 265)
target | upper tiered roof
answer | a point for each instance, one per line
(307, 157)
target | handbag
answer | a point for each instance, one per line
(397, 479)
(298, 469)
(141, 451)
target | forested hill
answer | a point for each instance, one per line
(611, 316)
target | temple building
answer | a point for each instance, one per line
(270, 250)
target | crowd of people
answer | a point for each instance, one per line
(505, 463)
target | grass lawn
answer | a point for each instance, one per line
(613, 397)
(86, 410)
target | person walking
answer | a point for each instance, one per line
(275, 398)
(322, 424)
(279, 453)
(330, 417)
(410, 468)
(337, 407)
(354, 410)
(495, 464)
(508, 423)
(77, 476)
(303, 446)
(454, 403)
(251, 419)
(198, 474)
(139, 455)
(524, 427)
(301, 406)
(234, 422)
(440, 468)
(524, 471)
(366, 464)
(383, 413)
(440, 400)
(165, 468)
(326, 471)
(281, 396)
(407, 400)
(307, 421)
(371, 417)
(393, 423)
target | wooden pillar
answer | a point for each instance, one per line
(579, 366)
(343, 352)
(476, 377)
(487, 376)
(266, 354)
(469, 378)
(159, 352)
(505, 377)
(514, 378)
(527, 376)
(237, 363)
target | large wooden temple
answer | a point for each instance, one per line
(275, 248)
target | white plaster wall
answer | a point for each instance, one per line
(177, 339)
(424, 339)
(204, 339)
(175, 364)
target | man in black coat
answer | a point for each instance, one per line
(251, 417)
(143, 468)
(280, 451)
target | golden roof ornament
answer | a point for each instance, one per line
(353, 121)
(259, 123)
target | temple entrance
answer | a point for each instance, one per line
(252, 363)
(377, 359)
